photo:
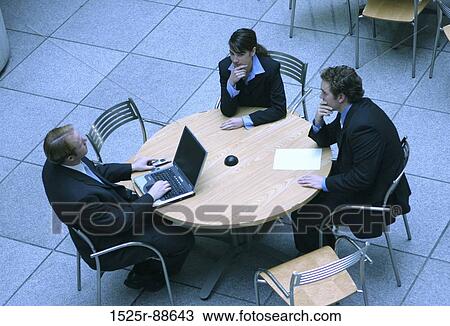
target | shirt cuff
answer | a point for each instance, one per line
(248, 123)
(231, 90)
(316, 128)
(324, 185)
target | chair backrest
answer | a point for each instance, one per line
(112, 119)
(444, 7)
(326, 271)
(405, 148)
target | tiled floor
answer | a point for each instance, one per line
(70, 59)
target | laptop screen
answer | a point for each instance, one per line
(190, 156)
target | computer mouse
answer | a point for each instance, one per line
(231, 160)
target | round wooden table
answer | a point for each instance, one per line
(249, 193)
(243, 196)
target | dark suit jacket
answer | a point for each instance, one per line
(106, 212)
(265, 90)
(370, 156)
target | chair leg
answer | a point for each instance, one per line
(290, 4)
(256, 285)
(350, 23)
(166, 278)
(436, 40)
(291, 30)
(305, 111)
(357, 43)
(362, 276)
(414, 50)
(99, 287)
(78, 271)
(408, 232)
(374, 28)
(391, 254)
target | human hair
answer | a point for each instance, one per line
(344, 80)
(244, 39)
(57, 146)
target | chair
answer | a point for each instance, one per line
(385, 209)
(318, 278)
(441, 8)
(292, 4)
(96, 254)
(296, 69)
(112, 119)
(404, 11)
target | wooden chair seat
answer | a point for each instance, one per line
(321, 293)
(393, 10)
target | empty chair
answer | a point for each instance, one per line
(112, 119)
(383, 210)
(292, 5)
(96, 256)
(441, 9)
(404, 11)
(318, 278)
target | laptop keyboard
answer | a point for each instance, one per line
(178, 188)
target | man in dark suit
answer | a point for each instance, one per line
(370, 158)
(85, 196)
(249, 77)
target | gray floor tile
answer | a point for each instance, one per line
(427, 219)
(427, 131)
(39, 17)
(237, 280)
(158, 87)
(386, 73)
(24, 121)
(380, 280)
(6, 166)
(431, 287)
(67, 246)
(442, 250)
(116, 24)
(203, 99)
(330, 16)
(252, 9)
(202, 44)
(438, 85)
(54, 283)
(21, 45)
(304, 45)
(27, 220)
(186, 296)
(13, 273)
(62, 70)
(167, 2)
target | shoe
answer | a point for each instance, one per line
(151, 282)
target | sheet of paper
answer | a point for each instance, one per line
(297, 159)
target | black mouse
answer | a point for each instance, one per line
(231, 160)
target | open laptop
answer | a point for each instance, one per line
(182, 175)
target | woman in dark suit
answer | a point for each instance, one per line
(249, 77)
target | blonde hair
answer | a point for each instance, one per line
(56, 145)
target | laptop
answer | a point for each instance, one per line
(182, 175)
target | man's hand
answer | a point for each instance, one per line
(237, 74)
(232, 123)
(142, 164)
(159, 189)
(322, 111)
(311, 181)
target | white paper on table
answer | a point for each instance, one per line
(297, 159)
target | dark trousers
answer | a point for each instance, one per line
(307, 221)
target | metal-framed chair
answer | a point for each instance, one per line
(384, 209)
(292, 5)
(403, 11)
(318, 278)
(96, 254)
(112, 119)
(441, 9)
(296, 69)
